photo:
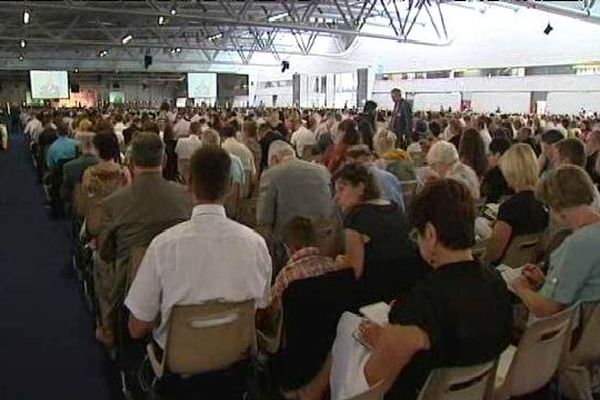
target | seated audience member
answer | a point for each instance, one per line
(574, 272)
(291, 187)
(396, 161)
(133, 216)
(455, 132)
(265, 141)
(472, 152)
(305, 260)
(525, 135)
(250, 139)
(494, 185)
(444, 162)
(391, 189)
(63, 148)
(571, 151)
(482, 127)
(336, 155)
(522, 213)
(185, 147)
(426, 331)
(365, 128)
(129, 133)
(302, 137)
(547, 159)
(207, 258)
(592, 149)
(210, 137)
(74, 169)
(376, 239)
(237, 148)
(274, 121)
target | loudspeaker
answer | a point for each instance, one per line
(74, 88)
(548, 29)
(116, 85)
(147, 61)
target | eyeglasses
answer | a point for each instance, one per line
(414, 235)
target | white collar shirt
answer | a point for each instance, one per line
(208, 258)
(181, 128)
(185, 147)
(303, 137)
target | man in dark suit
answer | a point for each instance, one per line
(401, 121)
(74, 169)
(132, 217)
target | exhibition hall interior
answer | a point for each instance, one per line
(300, 200)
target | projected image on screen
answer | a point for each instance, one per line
(49, 84)
(116, 97)
(202, 85)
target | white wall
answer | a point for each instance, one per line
(435, 101)
(572, 102)
(506, 102)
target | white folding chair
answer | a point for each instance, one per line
(206, 337)
(459, 383)
(532, 364)
(576, 371)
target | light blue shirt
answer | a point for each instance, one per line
(63, 148)
(237, 170)
(574, 273)
(391, 189)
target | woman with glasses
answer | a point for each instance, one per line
(459, 315)
(574, 271)
(376, 237)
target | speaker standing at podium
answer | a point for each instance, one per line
(401, 121)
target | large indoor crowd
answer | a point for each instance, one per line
(314, 214)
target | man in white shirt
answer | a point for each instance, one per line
(34, 128)
(302, 137)
(185, 147)
(207, 258)
(182, 126)
(119, 128)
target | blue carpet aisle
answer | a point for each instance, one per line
(47, 348)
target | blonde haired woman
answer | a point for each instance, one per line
(396, 161)
(574, 267)
(522, 213)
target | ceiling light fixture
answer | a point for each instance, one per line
(23, 43)
(76, 70)
(173, 11)
(21, 58)
(216, 36)
(26, 17)
(126, 39)
(103, 53)
(161, 20)
(278, 17)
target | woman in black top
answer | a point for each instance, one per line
(376, 237)
(493, 185)
(522, 214)
(460, 315)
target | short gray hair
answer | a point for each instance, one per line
(280, 149)
(147, 150)
(442, 152)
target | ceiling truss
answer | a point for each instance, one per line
(199, 31)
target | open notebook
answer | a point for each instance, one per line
(509, 274)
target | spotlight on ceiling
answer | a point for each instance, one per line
(126, 39)
(21, 58)
(23, 43)
(548, 29)
(173, 11)
(26, 17)
(76, 70)
(161, 20)
(285, 65)
(103, 53)
(215, 37)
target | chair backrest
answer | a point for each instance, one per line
(311, 310)
(209, 337)
(539, 353)
(522, 250)
(459, 383)
(375, 392)
(587, 349)
(409, 190)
